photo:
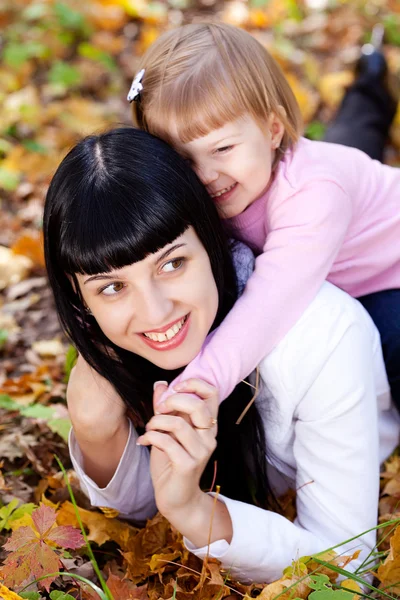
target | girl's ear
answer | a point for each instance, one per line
(276, 127)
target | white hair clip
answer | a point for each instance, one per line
(136, 87)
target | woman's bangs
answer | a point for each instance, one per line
(113, 234)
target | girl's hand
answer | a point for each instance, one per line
(182, 440)
(95, 408)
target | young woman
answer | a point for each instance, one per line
(141, 272)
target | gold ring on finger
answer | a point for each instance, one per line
(212, 423)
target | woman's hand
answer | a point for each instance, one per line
(95, 408)
(183, 440)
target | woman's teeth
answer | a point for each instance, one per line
(168, 335)
(228, 189)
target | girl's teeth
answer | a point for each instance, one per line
(223, 191)
(169, 334)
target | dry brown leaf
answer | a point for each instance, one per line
(389, 572)
(100, 529)
(125, 589)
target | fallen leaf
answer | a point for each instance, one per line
(389, 572)
(31, 246)
(100, 528)
(31, 556)
(7, 594)
(48, 348)
(13, 268)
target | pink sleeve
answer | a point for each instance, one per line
(306, 232)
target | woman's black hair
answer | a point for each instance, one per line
(115, 199)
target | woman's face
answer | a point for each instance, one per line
(162, 307)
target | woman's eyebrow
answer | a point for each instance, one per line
(168, 252)
(98, 277)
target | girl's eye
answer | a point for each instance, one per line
(223, 149)
(112, 289)
(173, 265)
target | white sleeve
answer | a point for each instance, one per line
(130, 491)
(336, 454)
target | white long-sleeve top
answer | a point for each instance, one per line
(329, 423)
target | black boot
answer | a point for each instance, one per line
(368, 107)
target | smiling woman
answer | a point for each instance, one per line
(161, 307)
(142, 273)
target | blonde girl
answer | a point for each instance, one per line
(312, 211)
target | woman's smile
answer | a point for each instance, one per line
(169, 337)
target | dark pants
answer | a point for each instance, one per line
(363, 122)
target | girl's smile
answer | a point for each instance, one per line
(161, 307)
(235, 161)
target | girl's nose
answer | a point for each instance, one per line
(207, 174)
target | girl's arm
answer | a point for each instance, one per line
(322, 380)
(306, 232)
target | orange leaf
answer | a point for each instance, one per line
(31, 246)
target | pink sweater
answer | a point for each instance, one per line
(330, 213)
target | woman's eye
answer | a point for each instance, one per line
(173, 265)
(112, 289)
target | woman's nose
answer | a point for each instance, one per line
(155, 309)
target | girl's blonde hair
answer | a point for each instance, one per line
(201, 76)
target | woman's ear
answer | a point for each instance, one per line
(276, 127)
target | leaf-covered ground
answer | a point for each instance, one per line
(65, 68)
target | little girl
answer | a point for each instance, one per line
(310, 210)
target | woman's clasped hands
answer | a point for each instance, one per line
(182, 435)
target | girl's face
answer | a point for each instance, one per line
(162, 307)
(235, 161)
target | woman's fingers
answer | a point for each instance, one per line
(198, 446)
(202, 413)
(175, 452)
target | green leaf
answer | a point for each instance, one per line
(9, 180)
(30, 595)
(392, 29)
(34, 146)
(61, 73)
(8, 403)
(324, 591)
(70, 361)
(92, 53)
(315, 130)
(60, 596)
(24, 509)
(17, 53)
(60, 426)
(5, 513)
(69, 18)
(3, 337)
(37, 411)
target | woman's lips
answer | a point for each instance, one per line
(225, 196)
(173, 342)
